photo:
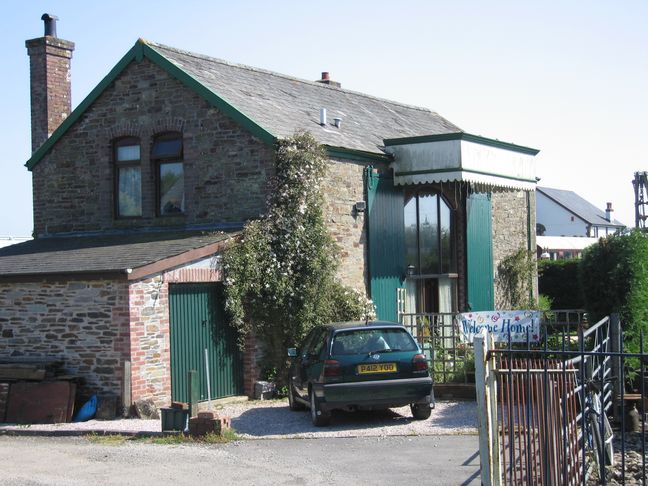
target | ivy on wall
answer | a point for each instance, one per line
(515, 276)
(280, 279)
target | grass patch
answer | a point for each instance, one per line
(228, 435)
(109, 440)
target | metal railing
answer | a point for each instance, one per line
(545, 410)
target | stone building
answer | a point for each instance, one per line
(139, 188)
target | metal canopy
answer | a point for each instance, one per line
(486, 164)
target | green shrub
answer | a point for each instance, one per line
(614, 277)
(559, 280)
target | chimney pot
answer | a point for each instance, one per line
(325, 76)
(50, 24)
(608, 212)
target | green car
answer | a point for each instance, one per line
(359, 365)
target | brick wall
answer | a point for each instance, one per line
(511, 227)
(225, 167)
(150, 344)
(84, 324)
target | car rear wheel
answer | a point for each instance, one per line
(421, 411)
(318, 416)
(293, 404)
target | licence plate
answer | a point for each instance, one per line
(364, 369)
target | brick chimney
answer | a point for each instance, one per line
(326, 79)
(49, 66)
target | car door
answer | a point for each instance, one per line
(309, 361)
(296, 372)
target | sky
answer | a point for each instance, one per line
(569, 78)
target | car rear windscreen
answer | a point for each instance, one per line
(357, 341)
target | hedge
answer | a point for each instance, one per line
(559, 280)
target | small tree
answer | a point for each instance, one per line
(280, 279)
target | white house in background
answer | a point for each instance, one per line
(565, 213)
(12, 240)
(562, 247)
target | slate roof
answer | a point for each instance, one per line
(100, 254)
(283, 104)
(579, 206)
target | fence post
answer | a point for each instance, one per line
(486, 388)
(615, 336)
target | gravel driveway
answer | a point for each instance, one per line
(272, 419)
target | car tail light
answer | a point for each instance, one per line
(419, 363)
(332, 368)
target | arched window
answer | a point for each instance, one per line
(128, 177)
(167, 155)
(430, 253)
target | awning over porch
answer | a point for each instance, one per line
(486, 164)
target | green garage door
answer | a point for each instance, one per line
(197, 322)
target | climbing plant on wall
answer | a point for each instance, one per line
(280, 279)
(515, 276)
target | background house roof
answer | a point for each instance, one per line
(107, 254)
(579, 206)
(283, 104)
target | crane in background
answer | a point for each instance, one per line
(640, 184)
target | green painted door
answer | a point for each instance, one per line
(197, 323)
(479, 242)
(386, 237)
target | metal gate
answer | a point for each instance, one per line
(197, 323)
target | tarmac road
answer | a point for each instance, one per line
(443, 460)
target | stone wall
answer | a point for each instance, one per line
(343, 187)
(225, 168)
(513, 221)
(83, 324)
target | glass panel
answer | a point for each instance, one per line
(129, 200)
(372, 340)
(171, 188)
(411, 244)
(128, 152)
(167, 148)
(429, 233)
(446, 294)
(447, 254)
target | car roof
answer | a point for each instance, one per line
(361, 324)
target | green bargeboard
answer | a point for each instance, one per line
(197, 322)
(479, 244)
(386, 236)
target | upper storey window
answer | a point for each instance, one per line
(167, 156)
(128, 177)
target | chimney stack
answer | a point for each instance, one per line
(326, 79)
(608, 212)
(50, 87)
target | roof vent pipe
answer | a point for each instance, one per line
(337, 122)
(608, 212)
(50, 24)
(323, 116)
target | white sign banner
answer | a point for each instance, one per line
(518, 324)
